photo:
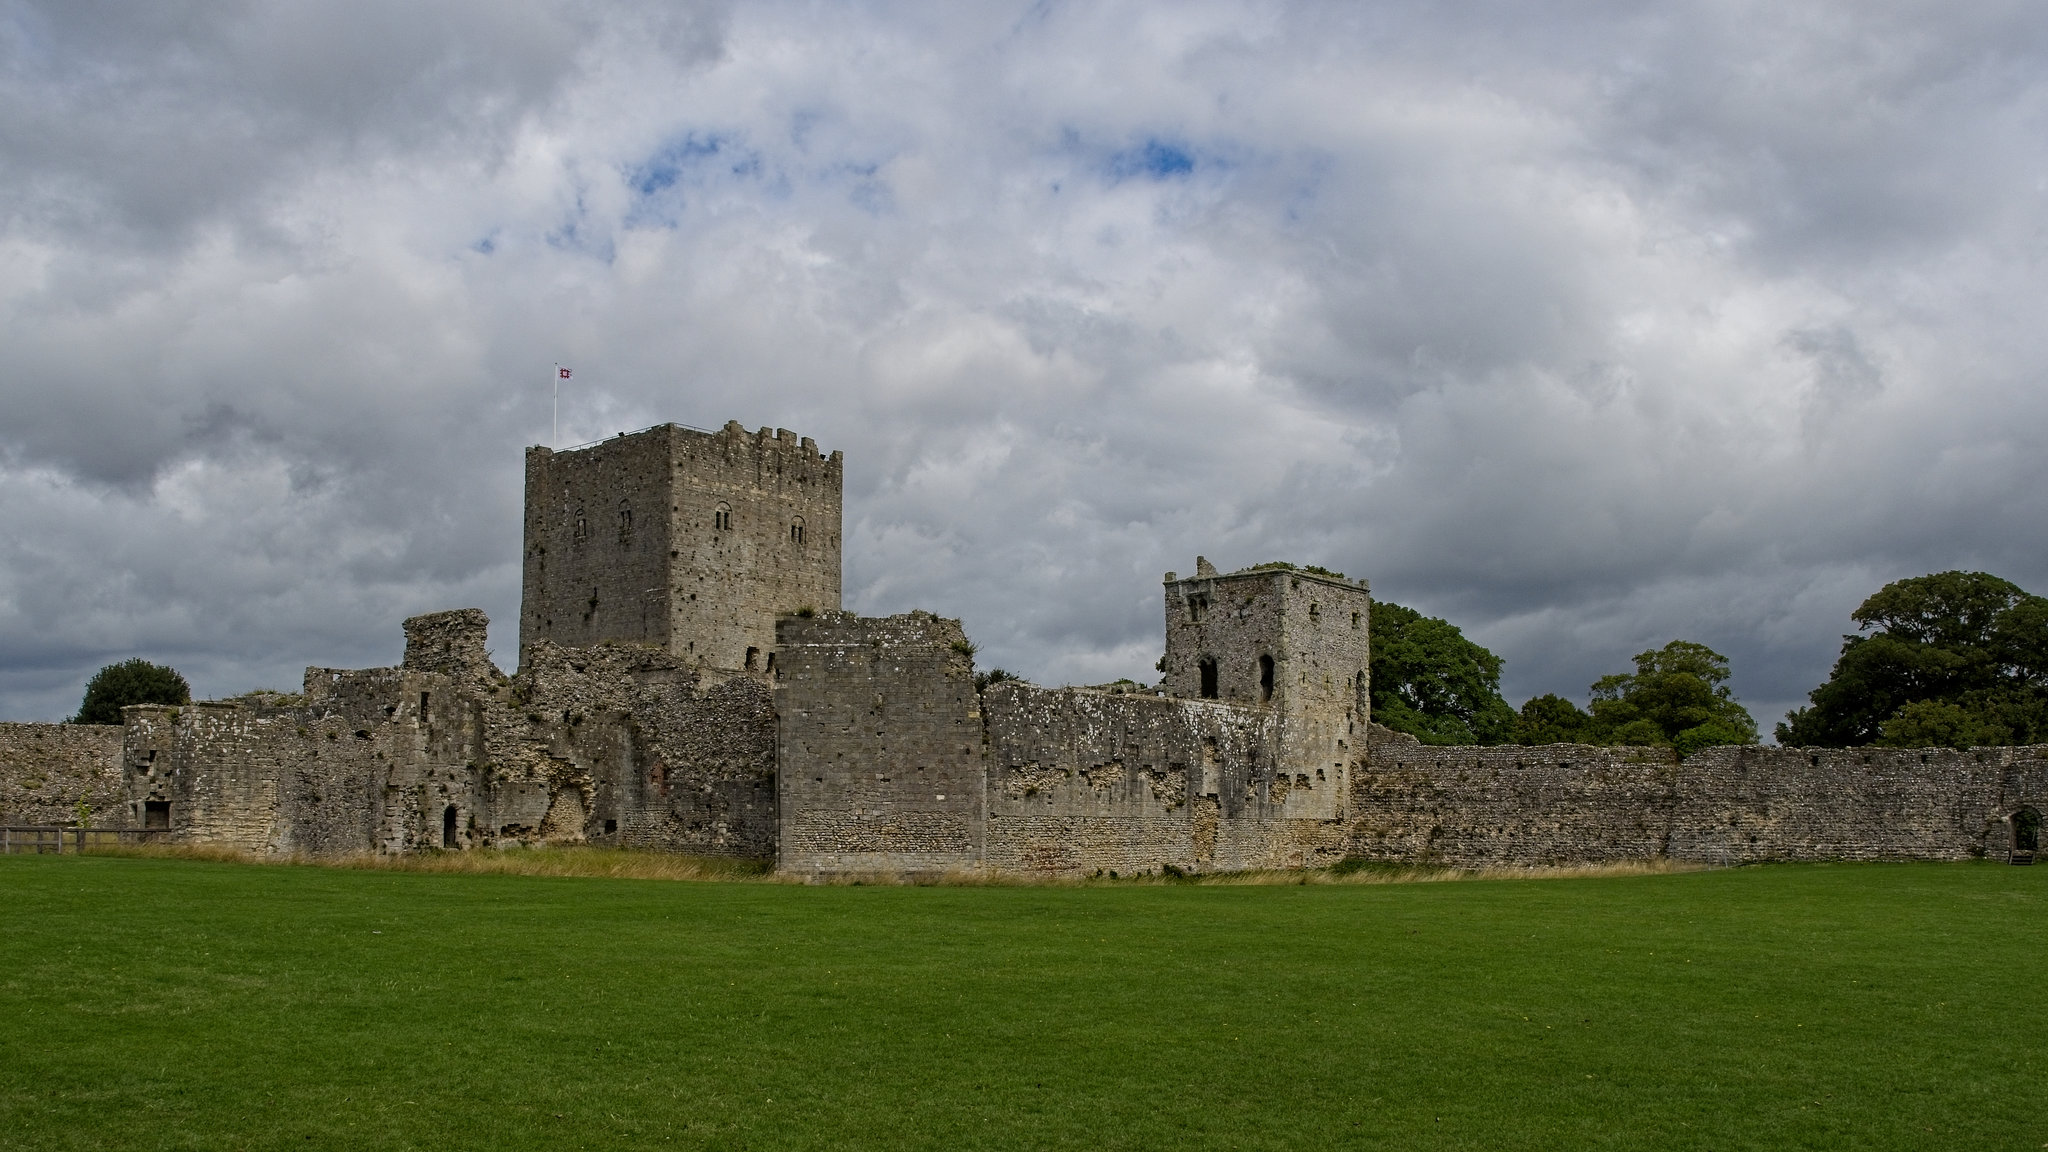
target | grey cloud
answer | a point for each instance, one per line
(1586, 327)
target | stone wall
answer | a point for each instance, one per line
(613, 744)
(1082, 780)
(879, 745)
(47, 770)
(1565, 803)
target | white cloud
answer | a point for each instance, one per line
(1587, 326)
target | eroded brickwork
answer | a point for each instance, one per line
(1082, 780)
(612, 744)
(48, 770)
(880, 745)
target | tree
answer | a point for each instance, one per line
(1432, 683)
(1677, 696)
(1951, 659)
(1552, 719)
(135, 681)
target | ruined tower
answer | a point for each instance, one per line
(688, 540)
(1293, 641)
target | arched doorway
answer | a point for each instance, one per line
(2026, 835)
(448, 827)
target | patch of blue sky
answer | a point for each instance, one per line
(1156, 159)
(685, 162)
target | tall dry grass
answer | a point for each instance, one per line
(629, 864)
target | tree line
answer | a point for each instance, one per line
(1952, 659)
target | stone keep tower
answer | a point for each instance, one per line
(1279, 638)
(693, 541)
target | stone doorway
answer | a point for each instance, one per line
(2026, 835)
(156, 813)
(448, 827)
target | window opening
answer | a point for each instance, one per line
(423, 705)
(721, 517)
(1265, 677)
(1354, 621)
(156, 813)
(796, 531)
(1208, 679)
(753, 658)
(448, 827)
(625, 526)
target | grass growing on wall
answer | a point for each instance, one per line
(150, 1003)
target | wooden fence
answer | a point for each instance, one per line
(25, 838)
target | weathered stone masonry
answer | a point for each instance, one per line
(687, 683)
(48, 770)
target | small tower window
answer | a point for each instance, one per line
(625, 526)
(721, 518)
(1354, 622)
(1265, 677)
(796, 531)
(1209, 679)
(753, 658)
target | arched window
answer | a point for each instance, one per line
(721, 517)
(625, 526)
(1209, 679)
(1265, 677)
(796, 531)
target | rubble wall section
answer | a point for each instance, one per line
(1082, 780)
(48, 770)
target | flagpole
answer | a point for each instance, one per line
(556, 376)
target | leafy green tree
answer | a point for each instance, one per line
(1677, 696)
(1552, 719)
(1432, 683)
(1952, 658)
(135, 681)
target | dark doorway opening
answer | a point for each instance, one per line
(2026, 835)
(753, 658)
(156, 813)
(448, 827)
(1265, 677)
(1208, 679)
(611, 826)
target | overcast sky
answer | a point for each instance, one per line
(1585, 326)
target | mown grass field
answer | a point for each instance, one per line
(184, 1004)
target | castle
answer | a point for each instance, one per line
(688, 682)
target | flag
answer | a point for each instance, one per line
(564, 372)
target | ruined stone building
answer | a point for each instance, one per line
(687, 682)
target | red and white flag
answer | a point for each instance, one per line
(564, 372)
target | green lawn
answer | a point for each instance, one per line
(169, 1003)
